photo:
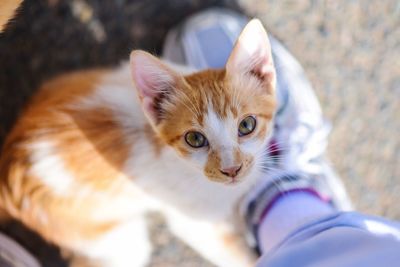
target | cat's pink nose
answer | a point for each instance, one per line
(231, 171)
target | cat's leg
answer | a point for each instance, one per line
(126, 245)
(216, 243)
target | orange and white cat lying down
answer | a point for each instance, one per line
(94, 152)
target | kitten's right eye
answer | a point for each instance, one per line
(196, 139)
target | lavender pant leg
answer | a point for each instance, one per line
(343, 239)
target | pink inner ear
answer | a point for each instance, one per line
(151, 78)
(148, 91)
(144, 84)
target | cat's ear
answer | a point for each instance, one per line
(153, 81)
(252, 55)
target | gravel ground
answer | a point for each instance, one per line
(351, 52)
(349, 49)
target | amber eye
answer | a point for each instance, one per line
(196, 139)
(247, 125)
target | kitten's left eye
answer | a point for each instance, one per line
(247, 125)
(196, 139)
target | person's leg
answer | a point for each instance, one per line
(339, 239)
(289, 212)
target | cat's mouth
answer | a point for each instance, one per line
(244, 175)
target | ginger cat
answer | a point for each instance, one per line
(94, 152)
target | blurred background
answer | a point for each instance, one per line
(350, 50)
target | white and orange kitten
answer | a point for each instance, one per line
(94, 152)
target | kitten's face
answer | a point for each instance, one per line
(219, 124)
(217, 120)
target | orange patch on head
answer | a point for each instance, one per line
(212, 89)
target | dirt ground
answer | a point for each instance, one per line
(349, 49)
